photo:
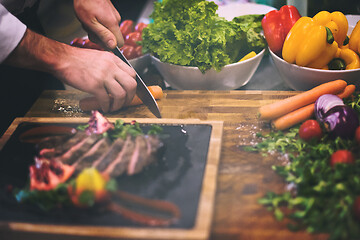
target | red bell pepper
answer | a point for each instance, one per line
(277, 24)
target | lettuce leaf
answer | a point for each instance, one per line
(190, 33)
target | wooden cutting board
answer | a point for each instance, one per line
(243, 177)
(204, 213)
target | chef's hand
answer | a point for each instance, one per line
(102, 74)
(101, 20)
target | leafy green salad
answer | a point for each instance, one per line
(190, 33)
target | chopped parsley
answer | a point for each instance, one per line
(322, 197)
(122, 129)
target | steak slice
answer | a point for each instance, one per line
(79, 149)
(63, 147)
(147, 150)
(52, 142)
(140, 156)
(103, 162)
(95, 152)
(155, 145)
(120, 164)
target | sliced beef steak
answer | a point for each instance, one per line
(79, 149)
(52, 142)
(155, 145)
(62, 147)
(83, 150)
(121, 162)
(140, 156)
(95, 152)
(147, 149)
(130, 156)
(108, 157)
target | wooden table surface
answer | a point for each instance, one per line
(243, 177)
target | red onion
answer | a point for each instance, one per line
(341, 121)
(324, 103)
(98, 124)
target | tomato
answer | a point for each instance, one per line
(132, 38)
(138, 51)
(341, 156)
(91, 45)
(126, 27)
(77, 42)
(46, 175)
(356, 208)
(309, 130)
(357, 135)
(128, 51)
(140, 26)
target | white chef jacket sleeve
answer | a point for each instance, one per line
(12, 31)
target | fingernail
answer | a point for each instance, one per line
(111, 43)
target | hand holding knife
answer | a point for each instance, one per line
(142, 93)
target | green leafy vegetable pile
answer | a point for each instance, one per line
(324, 196)
(190, 33)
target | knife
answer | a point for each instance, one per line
(141, 91)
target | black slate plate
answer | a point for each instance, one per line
(176, 178)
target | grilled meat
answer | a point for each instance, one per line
(129, 156)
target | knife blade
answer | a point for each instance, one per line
(141, 91)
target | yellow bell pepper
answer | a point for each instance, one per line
(248, 56)
(89, 180)
(354, 40)
(309, 44)
(336, 22)
(345, 59)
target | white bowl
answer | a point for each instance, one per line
(235, 9)
(140, 63)
(230, 77)
(304, 78)
(352, 20)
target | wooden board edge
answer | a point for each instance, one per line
(6, 136)
(207, 196)
(95, 232)
(205, 211)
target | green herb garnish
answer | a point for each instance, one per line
(322, 197)
(122, 129)
(82, 127)
(45, 200)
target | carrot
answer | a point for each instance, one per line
(304, 113)
(155, 90)
(348, 91)
(293, 118)
(91, 103)
(282, 107)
